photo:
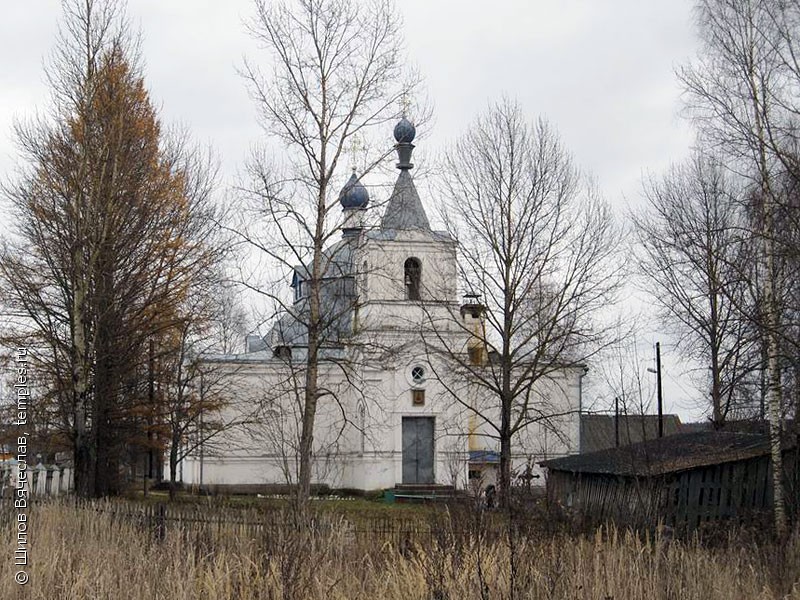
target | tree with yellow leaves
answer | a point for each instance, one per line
(112, 227)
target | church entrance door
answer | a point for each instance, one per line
(418, 450)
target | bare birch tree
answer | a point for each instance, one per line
(336, 75)
(741, 92)
(538, 246)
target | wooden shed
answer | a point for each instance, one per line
(683, 480)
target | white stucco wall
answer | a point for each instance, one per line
(365, 452)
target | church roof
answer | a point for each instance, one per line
(354, 194)
(405, 210)
(404, 131)
(337, 261)
(287, 331)
(337, 294)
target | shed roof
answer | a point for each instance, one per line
(671, 454)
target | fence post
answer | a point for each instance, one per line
(161, 522)
(48, 482)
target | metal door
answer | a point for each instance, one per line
(418, 450)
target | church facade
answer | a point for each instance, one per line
(392, 410)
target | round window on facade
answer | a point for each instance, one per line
(418, 375)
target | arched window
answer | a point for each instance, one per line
(413, 278)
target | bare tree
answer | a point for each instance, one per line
(337, 74)
(693, 244)
(538, 246)
(277, 424)
(193, 405)
(741, 92)
(620, 387)
(228, 319)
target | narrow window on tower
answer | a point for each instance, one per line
(413, 278)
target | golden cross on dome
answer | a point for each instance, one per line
(355, 147)
(405, 103)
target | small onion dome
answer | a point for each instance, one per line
(354, 194)
(404, 131)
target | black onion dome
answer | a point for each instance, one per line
(354, 194)
(404, 131)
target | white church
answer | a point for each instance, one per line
(393, 411)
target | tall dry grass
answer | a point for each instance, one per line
(78, 554)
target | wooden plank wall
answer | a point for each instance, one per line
(738, 491)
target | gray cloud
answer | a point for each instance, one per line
(601, 72)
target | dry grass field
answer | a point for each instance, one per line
(78, 553)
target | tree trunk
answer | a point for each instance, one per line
(173, 470)
(505, 444)
(716, 389)
(307, 437)
(504, 495)
(773, 374)
(101, 440)
(83, 460)
(104, 428)
(714, 337)
(83, 454)
(311, 395)
(771, 315)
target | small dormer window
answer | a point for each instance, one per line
(297, 285)
(413, 278)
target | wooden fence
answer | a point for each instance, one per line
(40, 479)
(237, 523)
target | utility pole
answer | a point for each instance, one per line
(660, 391)
(657, 371)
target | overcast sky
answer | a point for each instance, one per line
(601, 71)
